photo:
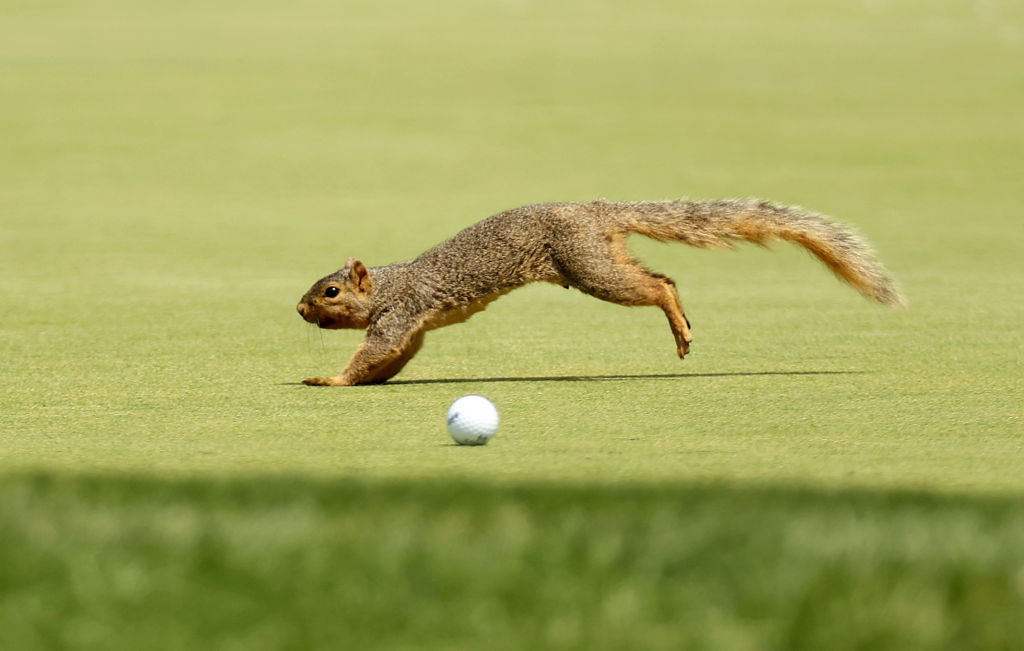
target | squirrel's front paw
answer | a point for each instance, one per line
(339, 381)
(322, 382)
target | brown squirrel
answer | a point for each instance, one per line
(581, 245)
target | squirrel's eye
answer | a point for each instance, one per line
(331, 292)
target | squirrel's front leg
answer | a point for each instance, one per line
(336, 381)
(376, 360)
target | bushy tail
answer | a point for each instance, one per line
(719, 223)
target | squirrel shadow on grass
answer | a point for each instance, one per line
(607, 378)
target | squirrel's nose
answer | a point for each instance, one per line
(302, 308)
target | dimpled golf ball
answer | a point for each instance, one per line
(472, 420)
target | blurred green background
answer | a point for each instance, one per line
(174, 176)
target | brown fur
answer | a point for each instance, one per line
(570, 244)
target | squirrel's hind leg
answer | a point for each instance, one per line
(673, 309)
(617, 277)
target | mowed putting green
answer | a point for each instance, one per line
(173, 178)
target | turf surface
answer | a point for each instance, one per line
(173, 177)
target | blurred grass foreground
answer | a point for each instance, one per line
(91, 563)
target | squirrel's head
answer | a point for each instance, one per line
(341, 300)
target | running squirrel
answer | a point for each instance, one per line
(581, 245)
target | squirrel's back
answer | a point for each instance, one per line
(508, 249)
(518, 246)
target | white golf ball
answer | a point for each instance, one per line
(472, 420)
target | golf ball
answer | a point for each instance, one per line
(472, 420)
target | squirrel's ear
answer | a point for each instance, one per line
(359, 275)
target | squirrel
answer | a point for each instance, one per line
(581, 245)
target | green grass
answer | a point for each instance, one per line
(820, 472)
(298, 564)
